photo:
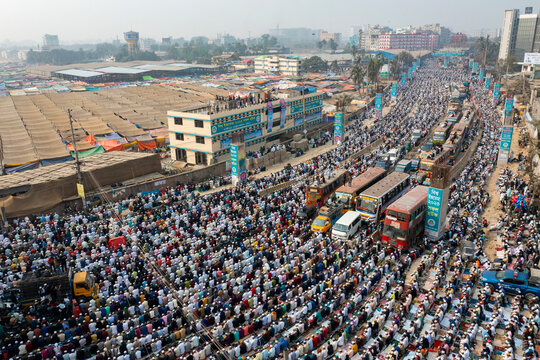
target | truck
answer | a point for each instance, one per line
(35, 284)
(328, 215)
(525, 282)
(404, 166)
(416, 136)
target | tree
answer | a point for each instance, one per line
(320, 44)
(357, 75)
(333, 45)
(508, 65)
(354, 50)
(314, 64)
(479, 47)
(342, 101)
(373, 68)
(335, 67)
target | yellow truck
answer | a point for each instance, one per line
(328, 215)
(34, 286)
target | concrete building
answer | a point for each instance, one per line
(50, 42)
(328, 36)
(409, 41)
(286, 65)
(369, 39)
(527, 39)
(509, 32)
(202, 134)
(444, 33)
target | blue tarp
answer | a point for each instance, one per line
(47, 162)
(30, 166)
(113, 136)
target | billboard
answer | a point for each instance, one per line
(283, 113)
(434, 205)
(532, 58)
(236, 124)
(482, 73)
(378, 105)
(506, 137)
(338, 128)
(410, 73)
(488, 83)
(508, 107)
(238, 162)
(270, 116)
(496, 91)
(394, 91)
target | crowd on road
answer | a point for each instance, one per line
(234, 274)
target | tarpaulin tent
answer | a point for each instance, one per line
(47, 162)
(82, 154)
(14, 169)
(111, 145)
(146, 145)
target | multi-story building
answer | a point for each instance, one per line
(409, 41)
(50, 42)
(509, 32)
(202, 134)
(286, 65)
(443, 32)
(328, 36)
(369, 38)
(458, 40)
(527, 39)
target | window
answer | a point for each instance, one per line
(200, 158)
(199, 123)
(180, 137)
(181, 155)
(199, 139)
(178, 121)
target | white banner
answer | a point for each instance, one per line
(532, 58)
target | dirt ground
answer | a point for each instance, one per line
(494, 209)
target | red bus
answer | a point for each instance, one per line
(404, 220)
(316, 194)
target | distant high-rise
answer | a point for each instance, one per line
(509, 32)
(132, 39)
(50, 42)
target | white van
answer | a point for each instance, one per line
(393, 155)
(347, 225)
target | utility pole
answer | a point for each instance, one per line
(485, 50)
(2, 210)
(304, 108)
(77, 163)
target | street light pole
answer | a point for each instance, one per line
(77, 163)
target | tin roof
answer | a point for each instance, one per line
(410, 200)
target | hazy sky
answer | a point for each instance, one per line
(104, 20)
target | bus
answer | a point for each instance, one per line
(441, 133)
(454, 141)
(404, 220)
(317, 194)
(454, 112)
(372, 202)
(441, 158)
(347, 193)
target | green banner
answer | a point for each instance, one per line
(309, 105)
(236, 124)
(82, 154)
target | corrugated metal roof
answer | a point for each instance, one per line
(361, 180)
(408, 202)
(79, 73)
(121, 70)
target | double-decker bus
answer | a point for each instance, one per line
(317, 193)
(441, 133)
(454, 112)
(348, 192)
(405, 217)
(441, 158)
(373, 201)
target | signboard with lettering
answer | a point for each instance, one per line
(283, 113)
(531, 58)
(496, 91)
(403, 79)
(338, 128)
(434, 205)
(238, 163)
(410, 74)
(378, 105)
(234, 160)
(482, 73)
(252, 134)
(474, 67)
(270, 117)
(508, 107)
(446, 61)
(488, 83)
(236, 124)
(309, 105)
(394, 91)
(506, 137)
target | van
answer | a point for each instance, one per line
(393, 155)
(347, 225)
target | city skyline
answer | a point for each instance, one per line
(100, 21)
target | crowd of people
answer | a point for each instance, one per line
(234, 274)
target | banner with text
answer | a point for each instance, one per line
(508, 107)
(403, 79)
(394, 91)
(270, 116)
(338, 128)
(496, 91)
(488, 83)
(378, 105)
(283, 113)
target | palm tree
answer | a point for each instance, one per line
(343, 101)
(357, 75)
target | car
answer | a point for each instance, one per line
(306, 212)
(525, 283)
